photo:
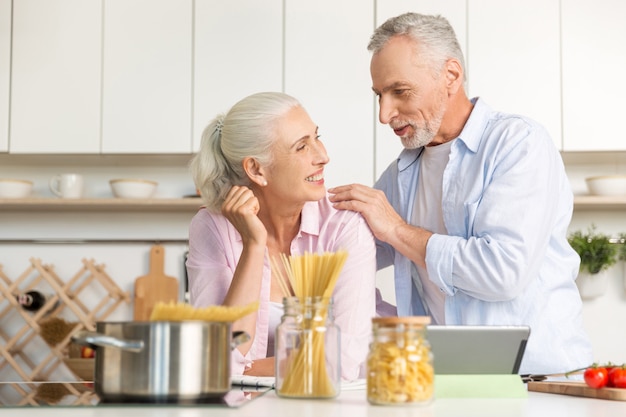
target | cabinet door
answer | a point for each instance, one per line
(327, 69)
(238, 51)
(594, 35)
(55, 85)
(5, 71)
(147, 76)
(388, 145)
(513, 61)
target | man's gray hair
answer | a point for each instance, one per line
(433, 36)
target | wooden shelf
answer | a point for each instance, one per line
(597, 202)
(581, 202)
(102, 204)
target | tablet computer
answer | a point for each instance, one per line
(466, 349)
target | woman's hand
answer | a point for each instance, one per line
(241, 208)
(261, 367)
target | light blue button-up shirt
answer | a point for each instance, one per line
(507, 204)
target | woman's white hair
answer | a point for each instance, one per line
(247, 130)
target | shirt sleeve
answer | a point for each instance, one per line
(505, 207)
(213, 256)
(210, 264)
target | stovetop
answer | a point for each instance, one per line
(82, 394)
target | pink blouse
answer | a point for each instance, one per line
(214, 250)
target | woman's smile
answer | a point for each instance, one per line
(317, 178)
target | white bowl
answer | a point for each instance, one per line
(133, 188)
(607, 185)
(10, 188)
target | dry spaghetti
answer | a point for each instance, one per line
(312, 278)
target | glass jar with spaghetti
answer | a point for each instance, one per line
(400, 364)
(307, 349)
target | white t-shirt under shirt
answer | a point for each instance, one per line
(428, 214)
(276, 313)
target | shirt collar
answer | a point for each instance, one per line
(310, 220)
(472, 133)
(407, 157)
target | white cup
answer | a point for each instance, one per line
(67, 185)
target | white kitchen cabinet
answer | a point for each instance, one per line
(514, 58)
(327, 69)
(147, 76)
(388, 145)
(238, 51)
(5, 72)
(594, 35)
(56, 72)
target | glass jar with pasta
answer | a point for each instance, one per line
(400, 364)
(307, 349)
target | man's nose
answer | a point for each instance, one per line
(386, 110)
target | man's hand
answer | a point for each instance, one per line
(387, 225)
(372, 204)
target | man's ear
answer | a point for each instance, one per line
(454, 75)
(254, 171)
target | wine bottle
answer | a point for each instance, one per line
(32, 300)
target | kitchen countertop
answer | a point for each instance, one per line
(354, 404)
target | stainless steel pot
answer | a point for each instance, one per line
(161, 361)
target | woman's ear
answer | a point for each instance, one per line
(255, 171)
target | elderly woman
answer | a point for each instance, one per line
(260, 171)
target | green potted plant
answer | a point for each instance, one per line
(597, 254)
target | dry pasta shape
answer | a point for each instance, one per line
(184, 312)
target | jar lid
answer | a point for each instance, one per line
(410, 320)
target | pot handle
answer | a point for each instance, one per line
(87, 338)
(239, 337)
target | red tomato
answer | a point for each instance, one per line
(609, 369)
(617, 377)
(596, 377)
(87, 352)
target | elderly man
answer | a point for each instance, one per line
(474, 212)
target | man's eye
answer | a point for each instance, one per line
(399, 92)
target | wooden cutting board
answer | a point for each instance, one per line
(578, 389)
(154, 287)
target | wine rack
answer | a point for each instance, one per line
(25, 353)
